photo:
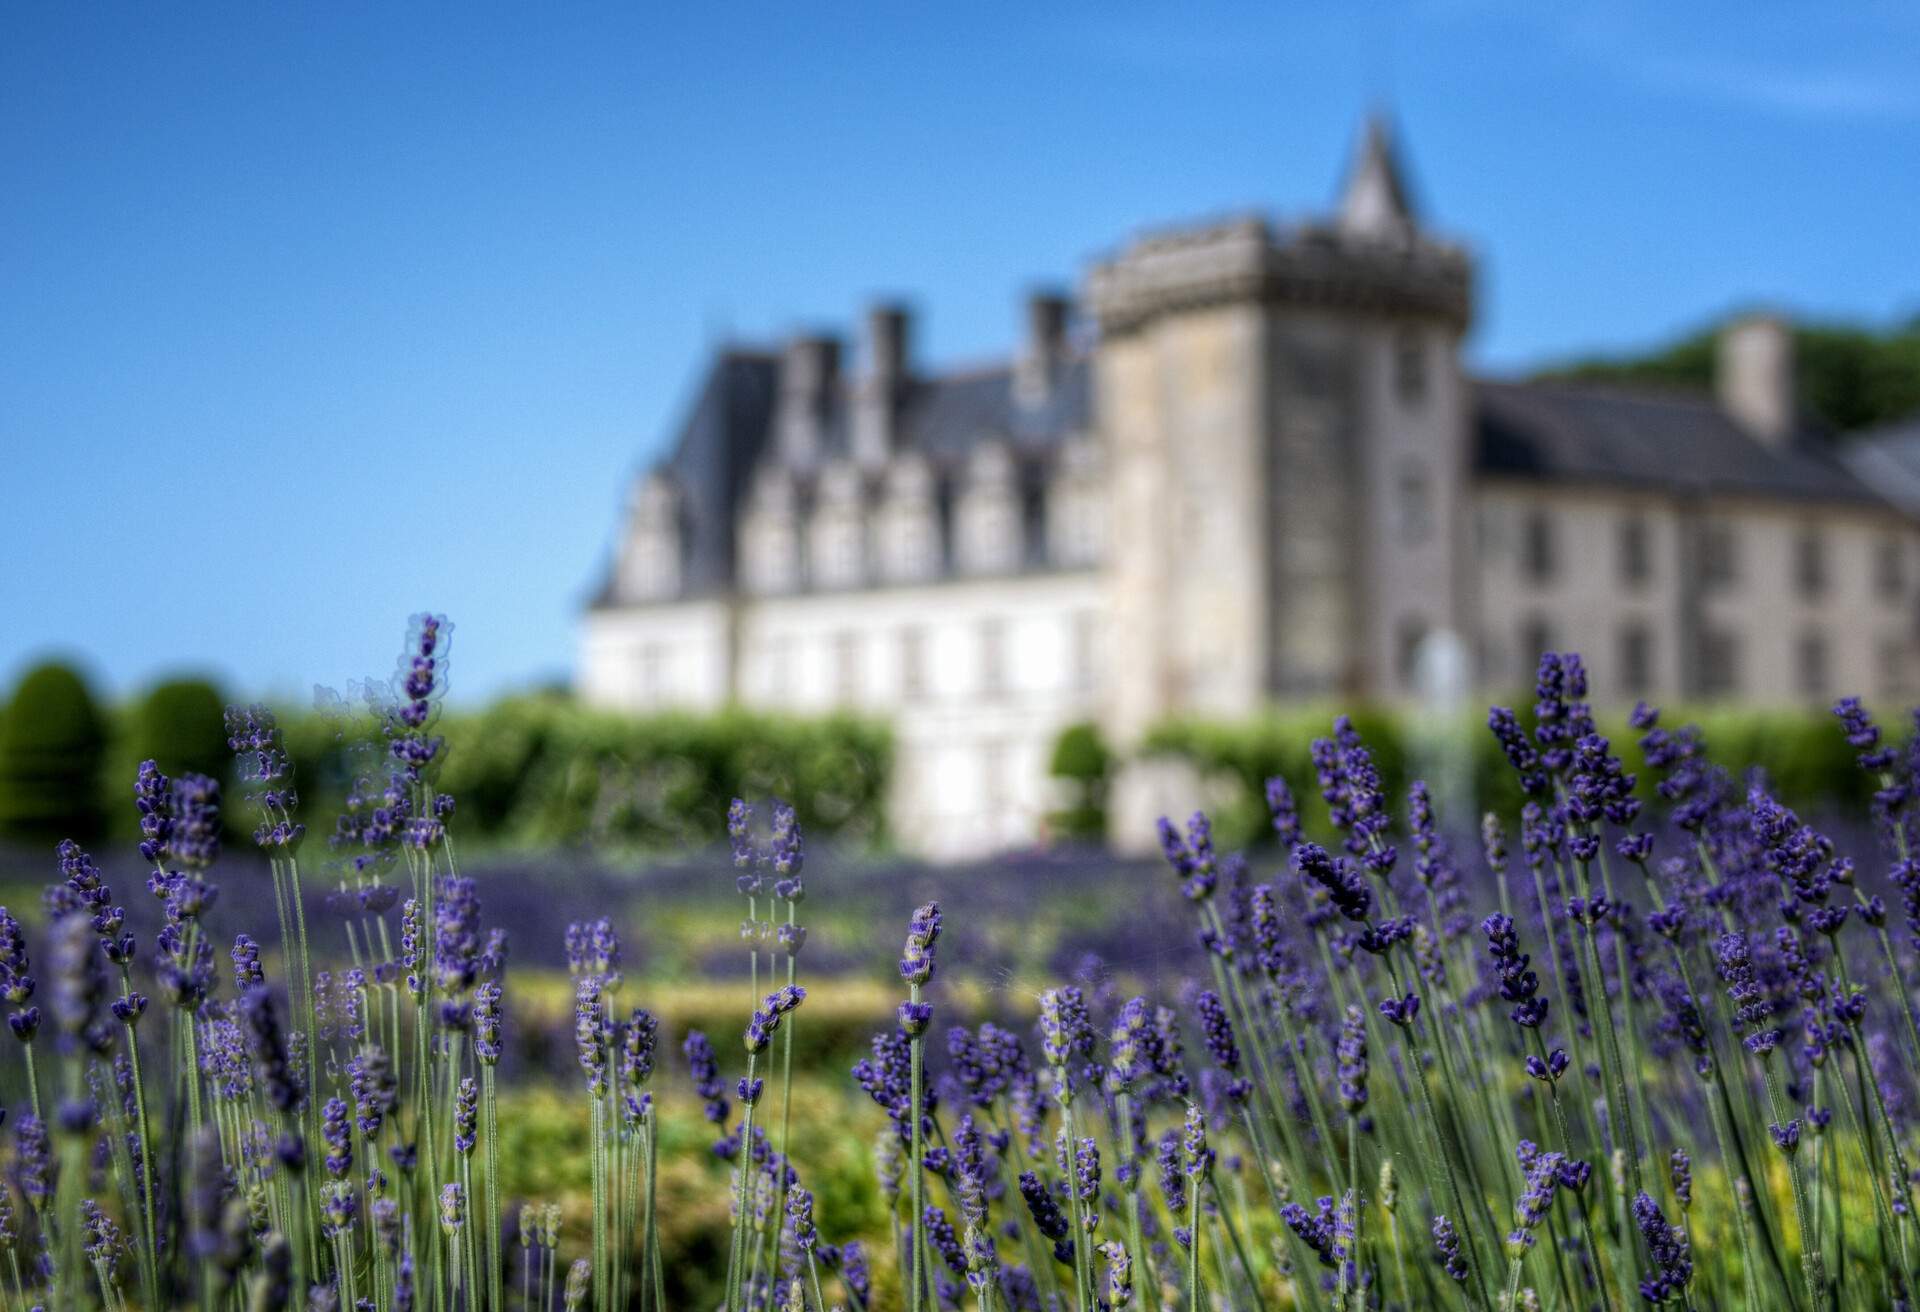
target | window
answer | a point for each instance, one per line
(1635, 660)
(1033, 524)
(993, 658)
(913, 665)
(1636, 552)
(846, 668)
(1810, 563)
(1719, 563)
(1413, 631)
(1890, 567)
(1538, 558)
(1410, 367)
(1892, 657)
(1810, 663)
(1536, 638)
(1413, 506)
(1719, 663)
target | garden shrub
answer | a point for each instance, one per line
(1081, 759)
(52, 747)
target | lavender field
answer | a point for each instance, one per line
(1597, 1053)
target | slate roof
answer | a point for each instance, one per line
(1660, 440)
(1888, 459)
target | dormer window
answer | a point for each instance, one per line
(651, 558)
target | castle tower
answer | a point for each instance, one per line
(1287, 430)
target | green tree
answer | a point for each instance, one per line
(1082, 759)
(180, 725)
(1849, 378)
(52, 745)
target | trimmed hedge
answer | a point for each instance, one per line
(538, 771)
(1803, 754)
(544, 771)
(53, 743)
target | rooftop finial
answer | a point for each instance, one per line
(1375, 201)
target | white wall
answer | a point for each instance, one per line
(1005, 664)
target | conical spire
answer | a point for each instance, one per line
(1375, 202)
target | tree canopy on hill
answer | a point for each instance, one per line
(1850, 378)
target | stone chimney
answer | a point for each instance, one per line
(876, 412)
(1046, 348)
(1753, 376)
(809, 373)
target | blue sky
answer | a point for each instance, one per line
(314, 314)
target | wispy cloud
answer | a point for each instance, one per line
(1830, 92)
(1852, 64)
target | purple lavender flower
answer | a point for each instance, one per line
(1352, 1056)
(705, 1071)
(153, 799)
(1545, 1171)
(1518, 984)
(923, 931)
(375, 1088)
(637, 1041)
(1173, 1174)
(1067, 1040)
(85, 892)
(1668, 1250)
(1681, 1169)
(487, 1011)
(453, 1209)
(16, 983)
(466, 1116)
(1191, 855)
(786, 852)
(246, 964)
(195, 841)
(1343, 884)
(1446, 1242)
(592, 1033)
(334, 1128)
(77, 990)
(254, 737)
(1734, 962)
(273, 1069)
(1519, 752)
(886, 1078)
(1319, 1232)
(33, 1158)
(1356, 799)
(1217, 1032)
(1048, 1219)
(853, 1270)
(1284, 813)
(1193, 1144)
(766, 1020)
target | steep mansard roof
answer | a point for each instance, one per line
(1578, 435)
(1663, 441)
(1888, 460)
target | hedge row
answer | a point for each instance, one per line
(1803, 754)
(535, 771)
